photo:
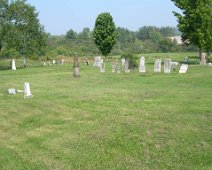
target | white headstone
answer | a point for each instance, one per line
(44, 63)
(122, 62)
(167, 66)
(53, 62)
(203, 59)
(157, 66)
(27, 92)
(102, 68)
(142, 68)
(13, 64)
(11, 91)
(183, 68)
(97, 61)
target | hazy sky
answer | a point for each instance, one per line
(59, 16)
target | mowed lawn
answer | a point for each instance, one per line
(106, 120)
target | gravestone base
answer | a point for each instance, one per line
(76, 72)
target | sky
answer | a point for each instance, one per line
(59, 16)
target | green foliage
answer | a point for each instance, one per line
(133, 59)
(71, 34)
(85, 34)
(20, 28)
(10, 53)
(105, 35)
(195, 22)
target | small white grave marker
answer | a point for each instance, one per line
(13, 64)
(183, 68)
(11, 91)
(27, 92)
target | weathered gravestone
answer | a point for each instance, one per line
(167, 66)
(142, 68)
(97, 61)
(203, 59)
(118, 69)
(24, 62)
(62, 61)
(76, 70)
(114, 67)
(157, 66)
(126, 66)
(183, 68)
(27, 92)
(122, 62)
(13, 64)
(102, 68)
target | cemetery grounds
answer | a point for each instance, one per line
(106, 120)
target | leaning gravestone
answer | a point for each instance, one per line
(167, 66)
(203, 59)
(157, 66)
(27, 92)
(76, 71)
(13, 64)
(102, 68)
(183, 68)
(142, 68)
(97, 61)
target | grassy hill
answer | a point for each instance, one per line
(106, 120)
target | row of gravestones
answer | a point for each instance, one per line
(13, 63)
(168, 64)
(98, 61)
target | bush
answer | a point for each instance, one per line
(131, 58)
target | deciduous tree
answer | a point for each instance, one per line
(195, 22)
(104, 34)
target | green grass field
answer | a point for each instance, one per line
(106, 120)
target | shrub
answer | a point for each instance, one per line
(131, 58)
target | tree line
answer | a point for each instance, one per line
(21, 34)
(146, 39)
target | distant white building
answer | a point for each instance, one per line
(178, 39)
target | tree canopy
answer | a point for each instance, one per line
(105, 35)
(195, 22)
(20, 28)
